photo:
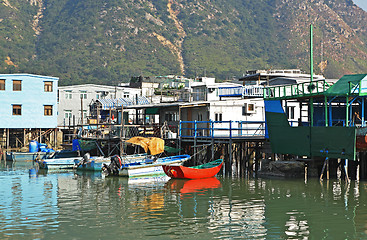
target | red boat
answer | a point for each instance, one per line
(206, 170)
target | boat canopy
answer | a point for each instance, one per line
(349, 84)
(153, 144)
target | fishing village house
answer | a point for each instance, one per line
(75, 99)
(258, 79)
(28, 109)
(207, 101)
(232, 109)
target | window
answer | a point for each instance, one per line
(2, 84)
(290, 112)
(67, 113)
(68, 94)
(200, 117)
(83, 94)
(126, 95)
(48, 86)
(171, 116)
(97, 96)
(17, 110)
(48, 110)
(218, 117)
(17, 85)
(84, 115)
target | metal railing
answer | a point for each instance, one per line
(230, 91)
(222, 129)
(296, 90)
(129, 131)
(243, 91)
(253, 91)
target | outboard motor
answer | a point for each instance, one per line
(86, 158)
(114, 167)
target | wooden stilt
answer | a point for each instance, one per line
(7, 139)
(24, 137)
(346, 171)
(257, 154)
(323, 167)
(230, 156)
(241, 158)
(195, 150)
(212, 148)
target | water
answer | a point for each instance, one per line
(69, 205)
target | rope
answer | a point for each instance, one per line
(205, 147)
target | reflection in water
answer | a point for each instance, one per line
(27, 205)
(77, 205)
(193, 185)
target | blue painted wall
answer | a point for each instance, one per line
(32, 98)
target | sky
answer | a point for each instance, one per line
(361, 3)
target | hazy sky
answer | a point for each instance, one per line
(361, 3)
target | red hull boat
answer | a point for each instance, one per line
(206, 170)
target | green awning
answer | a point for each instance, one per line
(341, 87)
(151, 111)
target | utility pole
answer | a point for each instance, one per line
(81, 109)
(311, 72)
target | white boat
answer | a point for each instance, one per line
(57, 163)
(96, 164)
(66, 163)
(31, 156)
(149, 167)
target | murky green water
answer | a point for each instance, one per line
(87, 206)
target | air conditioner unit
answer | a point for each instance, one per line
(248, 108)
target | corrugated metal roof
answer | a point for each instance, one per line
(118, 102)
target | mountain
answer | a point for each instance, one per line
(109, 41)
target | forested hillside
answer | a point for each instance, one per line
(108, 41)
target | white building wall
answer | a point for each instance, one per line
(72, 99)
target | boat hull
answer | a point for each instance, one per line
(26, 156)
(151, 169)
(20, 156)
(92, 165)
(191, 172)
(57, 163)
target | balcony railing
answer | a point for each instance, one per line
(128, 131)
(222, 129)
(296, 90)
(242, 91)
